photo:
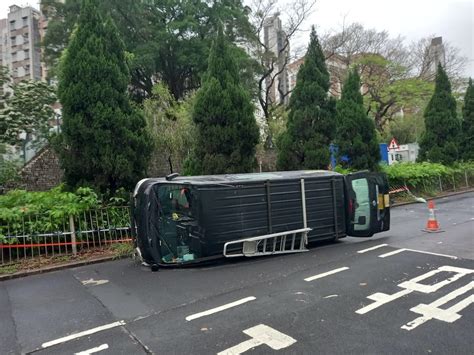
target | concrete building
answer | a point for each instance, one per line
(276, 41)
(337, 69)
(436, 55)
(20, 43)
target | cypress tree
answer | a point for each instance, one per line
(224, 117)
(355, 135)
(104, 142)
(440, 142)
(311, 120)
(468, 123)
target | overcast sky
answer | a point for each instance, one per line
(413, 19)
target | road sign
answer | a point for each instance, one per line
(393, 145)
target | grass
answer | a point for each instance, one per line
(8, 269)
(121, 250)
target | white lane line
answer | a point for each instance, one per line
(93, 282)
(93, 350)
(335, 271)
(391, 253)
(81, 334)
(373, 248)
(430, 253)
(220, 308)
(417, 251)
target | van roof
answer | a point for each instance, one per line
(235, 178)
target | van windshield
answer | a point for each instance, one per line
(176, 224)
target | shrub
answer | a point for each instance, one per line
(422, 175)
(42, 211)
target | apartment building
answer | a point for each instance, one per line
(20, 43)
(276, 41)
(337, 68)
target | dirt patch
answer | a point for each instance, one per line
(40, 262)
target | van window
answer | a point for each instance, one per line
(362, 203)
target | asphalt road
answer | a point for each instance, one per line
(400, 291)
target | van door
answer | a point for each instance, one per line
(367, 204)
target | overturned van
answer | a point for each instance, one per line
(180, 220)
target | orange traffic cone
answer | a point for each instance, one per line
(432, 226)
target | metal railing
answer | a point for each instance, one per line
(35, 236)
(431, 187)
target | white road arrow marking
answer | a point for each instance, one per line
(93, 282)
(415, 285)
(380, 299)
(261, 334)
(93, 350)
(432, 310)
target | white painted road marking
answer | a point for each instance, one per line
(335, 271)
(432, 310)
(417, 251)
(81, 334)
(261, 334)
(93, 350)
(430, 253)
(391, 253)
(220, 308)
(380, 299)
(414, 285)
(94, 282)
(373, 248)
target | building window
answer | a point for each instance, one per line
(12, 25)
(13, 40)
(25, 21)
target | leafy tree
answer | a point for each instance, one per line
(104, 141)
(355, 135)
(396, 76)
(25, 108)
(168, 41)
(388, 90)
(170, 125)
(274, 59)
(406, 129)
(9, 170)
(311, 122)
(227, 132)
(468, 123)
(440, 142)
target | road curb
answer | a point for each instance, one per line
(435, 197)
(70, 265)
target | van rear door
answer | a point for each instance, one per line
(367, 204)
